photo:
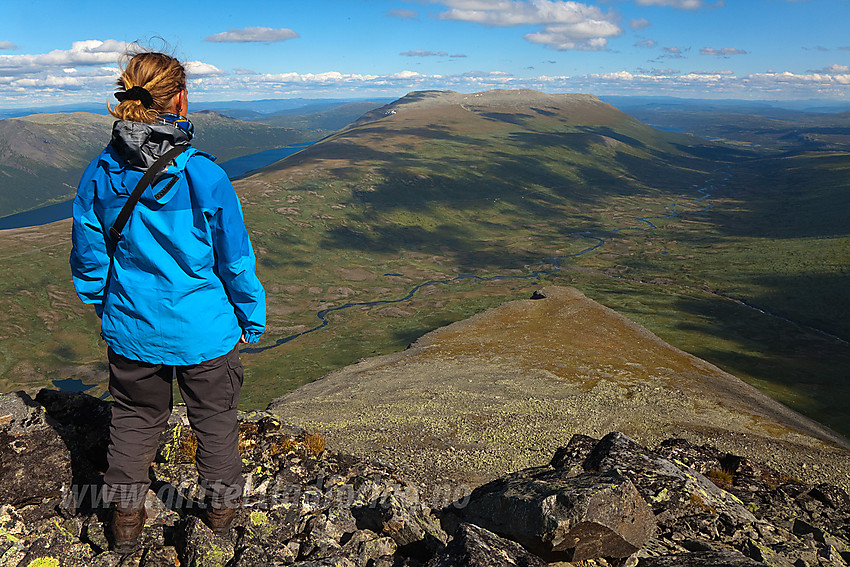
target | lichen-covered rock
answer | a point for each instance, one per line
(701, 559)
(573, 453)
(400, 515)
(198, 546)
(54, 539)
(473, 546)
(561, 517)
(34, 467)
(366, 547)
(20, 414)
(269, 528)
(701, 458)
(673, 490)
(160, 556)
(326, 562)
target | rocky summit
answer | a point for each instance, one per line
(593, 502)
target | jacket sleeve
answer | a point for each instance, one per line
(89, 258)
(236, 263)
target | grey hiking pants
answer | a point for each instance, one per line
(143, 403)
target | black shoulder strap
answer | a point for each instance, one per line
(147, 178)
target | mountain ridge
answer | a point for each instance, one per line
(486, 395)
(42, 155)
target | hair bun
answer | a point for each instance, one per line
(136, 93)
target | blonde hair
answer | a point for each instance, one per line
(161, 75)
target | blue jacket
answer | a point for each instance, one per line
(181, 287)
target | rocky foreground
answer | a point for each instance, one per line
(596, 502)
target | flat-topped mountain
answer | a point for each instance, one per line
(579, 108)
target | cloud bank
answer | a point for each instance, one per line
(88, 70)
(249, 35)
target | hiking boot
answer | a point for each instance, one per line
(126, 525)
(219, 520)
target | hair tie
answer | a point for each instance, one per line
(136, 93)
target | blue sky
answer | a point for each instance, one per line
(59, 52)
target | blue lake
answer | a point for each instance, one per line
(234, 168)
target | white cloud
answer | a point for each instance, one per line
(7, 45)
(201, 69)
(82, 53)
(421, 53)
(403, 14)
(588, 35)
(723, 84)
(639, 23)
(724, 72)
(835, 68)
(255, 34)
(646, 43)
(673, 53)
(724, 52)
(406, 75)
(566, 25)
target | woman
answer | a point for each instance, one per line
(176, 293)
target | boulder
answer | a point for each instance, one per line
(561, 517)
(35, 463)
(574, 453)
(401, 516)
(20, 414)
(673, 490)
(473, 546)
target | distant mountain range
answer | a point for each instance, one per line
(241, 109)
(42, 156)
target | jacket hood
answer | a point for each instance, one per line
(140, 144)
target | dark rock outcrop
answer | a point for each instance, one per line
(596, 501)
(474, 546)
(564, 517)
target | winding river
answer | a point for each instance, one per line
(554, 261)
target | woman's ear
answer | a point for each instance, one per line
(180, 103)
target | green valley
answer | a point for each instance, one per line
(734, 254)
